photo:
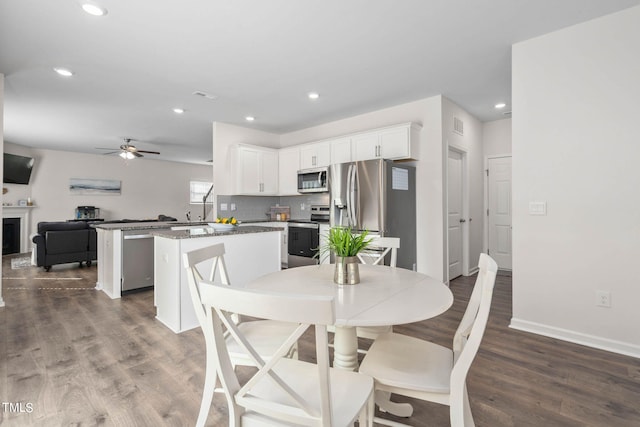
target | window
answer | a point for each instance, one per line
(199, 189)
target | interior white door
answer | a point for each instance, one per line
(455, 217)
(499, 202)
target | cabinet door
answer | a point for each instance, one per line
(394, 143)
(249, 170)
(366, 146)
(289, 163)
(340, 150)
(315, 155)
(269, 172)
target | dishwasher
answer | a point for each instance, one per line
(137, 260)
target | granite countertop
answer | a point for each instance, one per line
(196, 232)
(144, 225)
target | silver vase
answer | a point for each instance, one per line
(346, 272)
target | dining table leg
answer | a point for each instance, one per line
(345, 348)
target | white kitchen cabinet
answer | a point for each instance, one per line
(393, 142)
(315, 155)
(340, 150)
(256, 170)
(289, 163)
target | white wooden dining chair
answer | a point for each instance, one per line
(375, 254)
(265, 335)
(423, 370)
(283, 391)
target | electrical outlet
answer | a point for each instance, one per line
(223, 206)
(301, 206)
(233, 206)
(603, 299)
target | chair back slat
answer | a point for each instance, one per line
(304, 310)
(378, 249)
(195, 262)
(469, 335)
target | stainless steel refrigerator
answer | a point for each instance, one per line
(379, 196)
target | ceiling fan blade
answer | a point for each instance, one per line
(101, 148)
(148, 152)
(136, 153)
(111, 152)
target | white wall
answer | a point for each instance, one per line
(149, 187)
(471, 144)
(496, 137)
(576, 103)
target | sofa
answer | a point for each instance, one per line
(65, 242)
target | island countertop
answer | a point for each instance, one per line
(197, 232)
(145, 225)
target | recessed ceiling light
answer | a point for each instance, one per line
(313, 95)
(178, 110)
(94, 10)
(500, 105)
(63, 72)
(249, 118)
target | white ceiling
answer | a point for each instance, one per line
(259, 57)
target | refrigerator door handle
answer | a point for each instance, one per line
(353, 188)
(349, 185)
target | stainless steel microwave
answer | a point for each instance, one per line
(313, 180)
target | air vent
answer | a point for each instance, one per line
(458, 126)
(507, 113)
(204, 95)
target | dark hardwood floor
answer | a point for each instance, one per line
(69, 355)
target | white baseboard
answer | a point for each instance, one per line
(576, 337)
(473, 271)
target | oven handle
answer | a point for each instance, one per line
(303, 225)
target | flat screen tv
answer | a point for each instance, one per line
(17, 169)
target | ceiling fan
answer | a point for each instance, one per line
(128, 151)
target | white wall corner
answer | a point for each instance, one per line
(593, 341)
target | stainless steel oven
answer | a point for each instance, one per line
(304, 239)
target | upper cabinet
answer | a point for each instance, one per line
(256, 170)
(394, 142)
(315, 155)
(289, 163)
(340, 150)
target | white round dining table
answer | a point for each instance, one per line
(385, 296)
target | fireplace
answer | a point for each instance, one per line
(10, 236)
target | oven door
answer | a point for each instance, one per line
(304, 239)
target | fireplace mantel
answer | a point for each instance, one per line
(24, 213)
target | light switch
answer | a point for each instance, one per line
(223, 206)
(233, 206)
(537, 208)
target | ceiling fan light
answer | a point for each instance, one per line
(127, 155)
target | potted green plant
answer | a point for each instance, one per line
(345, 244)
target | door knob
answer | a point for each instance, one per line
(463, 220)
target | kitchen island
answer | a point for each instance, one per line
(112, 263)
(251, 251)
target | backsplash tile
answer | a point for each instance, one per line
(257, 207)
